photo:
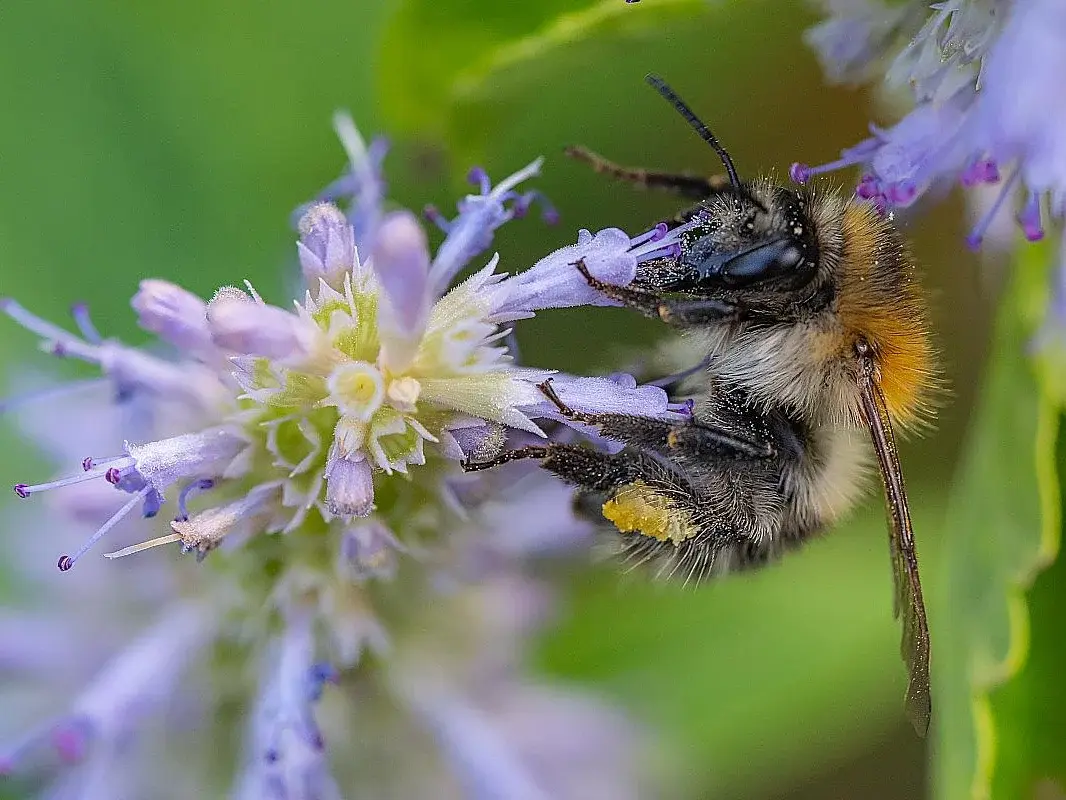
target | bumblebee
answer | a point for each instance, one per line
(814, 329)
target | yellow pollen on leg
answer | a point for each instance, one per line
(637, 508)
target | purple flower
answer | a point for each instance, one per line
(609, 255)
(308, 456)
(985, 79)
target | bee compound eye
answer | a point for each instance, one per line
(761, 262)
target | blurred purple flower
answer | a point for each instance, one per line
(309, 457)
(985, 77)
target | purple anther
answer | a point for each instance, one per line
(869, 187)
(798, 172)
(433, 215)
(22, 490)
(902, 193)
(87, 463)
(479, 178)
(113, 476)
(70, 741)
(1029, 218)
(983, 170)
(65, 563)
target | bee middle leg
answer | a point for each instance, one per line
(690, 437)
(679, 313)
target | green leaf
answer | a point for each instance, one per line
(752, 680)
(459, 44)
(1003, 527)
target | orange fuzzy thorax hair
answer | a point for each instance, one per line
(880, 301)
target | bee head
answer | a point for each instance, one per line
(755, 247)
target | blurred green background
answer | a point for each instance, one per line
(173, 140)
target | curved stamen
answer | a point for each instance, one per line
(977, 235)
(982, 170)
(654, 235)
(433, 215)
(189, 490)
(66, 562)
(25, 490)
(80, 313)
(479, 178)
(1029, 218)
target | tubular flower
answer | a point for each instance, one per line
(309, 456)
(985, 75)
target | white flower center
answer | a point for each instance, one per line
(358, 389)
(404, 392)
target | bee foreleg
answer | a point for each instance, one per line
(680, 313)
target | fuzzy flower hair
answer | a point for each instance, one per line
(357, 588)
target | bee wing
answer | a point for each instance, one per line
(908, 599)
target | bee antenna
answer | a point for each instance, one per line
(704, 132)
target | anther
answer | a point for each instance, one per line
(66, 562)
(479, 178)
(433, 215)
(799, 173)
(1029, 218)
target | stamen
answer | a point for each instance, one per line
(1029, 218)
(524, 202)
(197, 486)
(25, 490)
(321, 674)
(170, 538)
(982, 170)
(668, 245)
(801, 173)
(71, 738)
(66, 562)
(31, 322)
(654, 235)
(479, 178)
(529, 171)
(977, 235)
(901, 193)
(869, 187)
(89, 463)
(433, 215)
(80, 313)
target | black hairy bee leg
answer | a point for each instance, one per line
(692, 437)
(693, 186)
(680, 313)
(589, 469)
